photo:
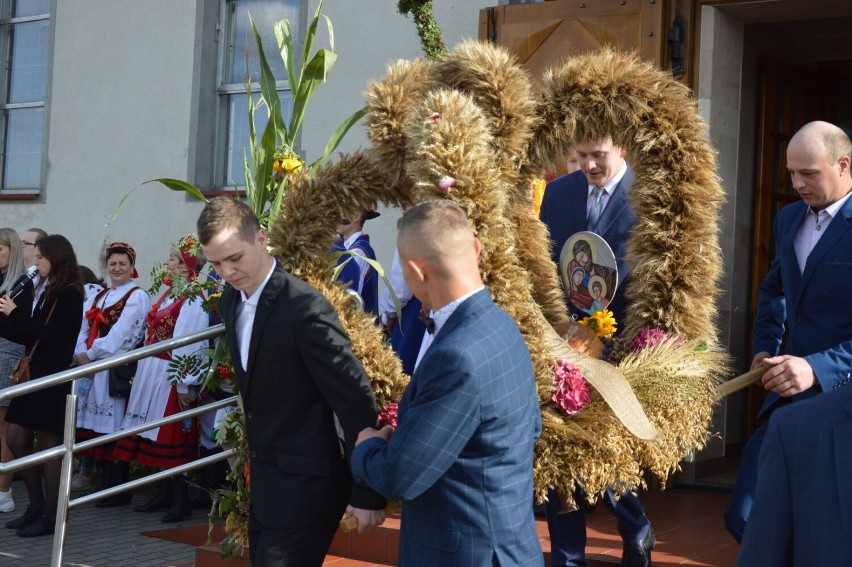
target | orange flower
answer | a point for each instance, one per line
(247, 472)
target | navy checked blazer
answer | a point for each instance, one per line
(461, 458)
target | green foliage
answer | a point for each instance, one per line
(427, 27)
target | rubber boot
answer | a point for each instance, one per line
(180, 505)
(161, 500)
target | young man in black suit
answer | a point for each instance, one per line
(295, 370)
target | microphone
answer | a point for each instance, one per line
(25, 278)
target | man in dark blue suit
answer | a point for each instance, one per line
(802, 512)
(461, 458)
(595, 198)
(804, 293)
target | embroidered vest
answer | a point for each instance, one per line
(161, 323)
(102, 320)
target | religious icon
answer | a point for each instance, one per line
(589, 272)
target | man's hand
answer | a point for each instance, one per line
(787, 375)
(369, 433)
(367, 519)
(755, 363)
(82, 358)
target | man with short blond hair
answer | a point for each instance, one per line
(462, 454)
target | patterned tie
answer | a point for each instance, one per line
(597, 207)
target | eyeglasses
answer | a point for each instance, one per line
(25, 243)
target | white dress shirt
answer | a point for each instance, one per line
(440, 317)
(812, 229)
(245, 318)
(608, 188)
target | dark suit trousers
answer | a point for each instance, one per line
(302, 546)
(743, 495)
(568, 530)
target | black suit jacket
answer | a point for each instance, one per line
(301, 373)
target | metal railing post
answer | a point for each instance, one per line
(64, 481)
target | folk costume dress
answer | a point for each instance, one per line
(154, 396)
(114, 323)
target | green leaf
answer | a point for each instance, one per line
(335, 256)
(309, 38)
(313, 75)
(179, 185)
(285, 46)
(337, 137)
(263, 160)
(268, 89)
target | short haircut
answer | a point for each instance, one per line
(435, 228)
(222, 213)
(837, 144)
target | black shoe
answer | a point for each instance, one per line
(202, 500)
(161, 500)
(115, 500)
(30, 516)
(42, 526)
(180, 506)
(638, 553)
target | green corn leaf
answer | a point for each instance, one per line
(337, 137)
(313, 75)
(263, 160)
(285, 46)
(309, 38)
(268, 89)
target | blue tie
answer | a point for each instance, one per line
(597, 207)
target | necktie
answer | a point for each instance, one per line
(429, 322)
(597, 207)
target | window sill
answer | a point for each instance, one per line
(14, 195)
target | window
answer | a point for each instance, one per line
(24, 40)
(238, 61)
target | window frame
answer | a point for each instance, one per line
(6, 46)
(225, 91)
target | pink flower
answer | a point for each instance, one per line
(446, 182)
(435, 115)
(388, 415)
(572, 392)
(650, 337)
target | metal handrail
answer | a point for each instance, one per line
(69, 447)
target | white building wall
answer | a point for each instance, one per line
(130, 85)
(119, 115)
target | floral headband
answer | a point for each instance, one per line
(188, 248)
(122, 248)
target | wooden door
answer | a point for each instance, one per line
(541, 34)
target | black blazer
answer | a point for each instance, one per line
(58, 337)
(301, 374)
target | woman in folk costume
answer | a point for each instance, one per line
(114, 322)
(178, 312)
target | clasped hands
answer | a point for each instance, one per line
(785, 375)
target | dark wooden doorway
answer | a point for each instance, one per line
(789, 97)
